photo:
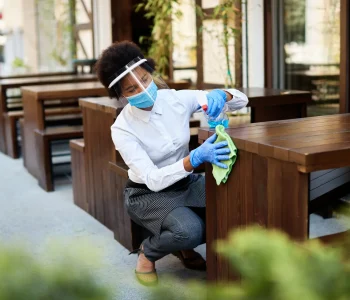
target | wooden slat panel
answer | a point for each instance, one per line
(116, 212)
(211, 223)
(328, 176)
(275, 194)
(98, 154)
(259, 185)
(246, 187)
(236, 211)
(222, 226)
(330, 185)
(315, 175)
(295, 187)
(78, 174)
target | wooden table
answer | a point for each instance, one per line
(303, 79)
(275, 104)
(7, 84)
(280, 169)
(33, 107)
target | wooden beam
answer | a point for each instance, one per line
(268, 44)
(344, 56)
(121, 20)
(89, 14)
(83, 26)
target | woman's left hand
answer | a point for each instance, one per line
(216, 102)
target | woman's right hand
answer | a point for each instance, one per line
(210, 152)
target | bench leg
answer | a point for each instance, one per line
(11, 137)
(21, 128)
(44, 162)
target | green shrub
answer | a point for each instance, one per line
(273, 267)
(26, 278)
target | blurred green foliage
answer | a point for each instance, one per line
(67, 277)
(273, 267)
(18, 63)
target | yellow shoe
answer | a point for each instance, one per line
(147, 278)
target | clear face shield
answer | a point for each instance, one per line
(138, 83)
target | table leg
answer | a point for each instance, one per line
(261, 191)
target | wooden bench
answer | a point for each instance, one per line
(39, 116)
(127, 232)
(10, 101)
(44, 155)
(78, 163)
(325, 188)
(70, 115)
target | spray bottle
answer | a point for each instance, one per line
(221, 119)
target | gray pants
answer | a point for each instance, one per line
(182, 229)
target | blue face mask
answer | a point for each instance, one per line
(146, 98)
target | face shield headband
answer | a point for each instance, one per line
(136, 84)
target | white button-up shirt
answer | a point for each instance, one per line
(154, 143)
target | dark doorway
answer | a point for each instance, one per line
(128, 24)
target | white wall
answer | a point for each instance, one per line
(255, 15)
(102, 25)
(12, 25)
(30, 36)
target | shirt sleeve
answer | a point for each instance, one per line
(238, 101)
(195, 98)
(192, 99)
(137, 159)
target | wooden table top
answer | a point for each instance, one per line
(79, 89)
(266, 96)
(17, 82)
(316, 143)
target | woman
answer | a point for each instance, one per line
(152, 135)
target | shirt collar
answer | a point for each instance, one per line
(145, 115)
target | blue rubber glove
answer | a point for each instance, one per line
(216, 102)
(210, 152)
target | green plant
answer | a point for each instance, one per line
(60, 12)
(227, 13)
(162, 12)
(67, 277)
(272, 267)
(18, 63)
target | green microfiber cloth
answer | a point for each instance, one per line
(221, 174)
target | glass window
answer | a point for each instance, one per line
(54, 35)
(185, 42)
(312, 51)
